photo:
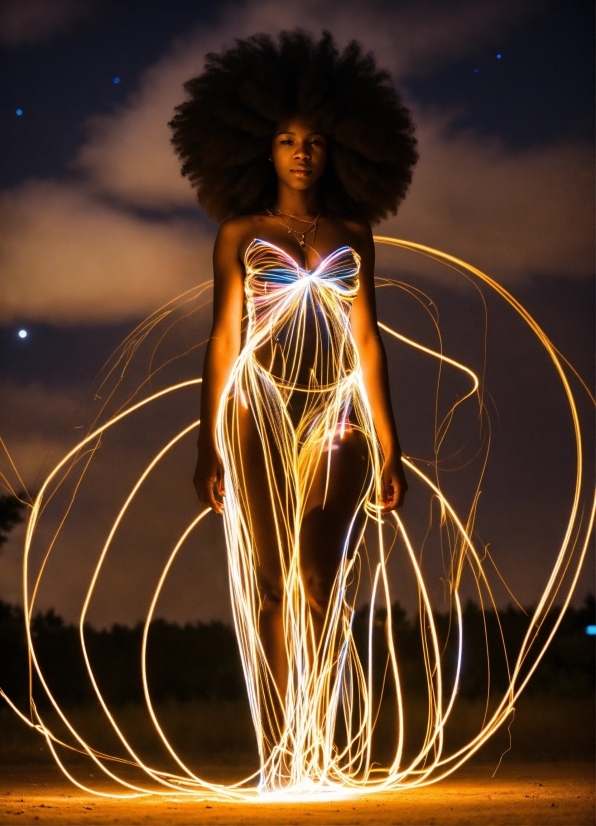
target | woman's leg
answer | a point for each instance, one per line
(328, 515)
(333, 499)
(268, 539)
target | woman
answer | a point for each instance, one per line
(297, 148)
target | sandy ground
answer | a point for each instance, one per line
(537, 793)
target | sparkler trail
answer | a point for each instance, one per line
(316, 737)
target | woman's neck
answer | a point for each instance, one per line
(303, 203)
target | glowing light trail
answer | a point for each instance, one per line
(328, 688)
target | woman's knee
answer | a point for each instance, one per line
(318, 585)
(271, 588)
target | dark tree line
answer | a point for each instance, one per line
(184, 662)
(12, 512)
(201, 660)
(567, 669)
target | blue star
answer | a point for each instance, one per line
(19, 112)
(499, 56)
(476, 70)
(116, 80)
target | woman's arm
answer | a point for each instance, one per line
(222, 350)
(376, 379)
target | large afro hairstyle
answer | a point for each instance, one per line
(223, 131)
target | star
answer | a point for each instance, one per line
(116, 80)
(22, 334)
(19, 112)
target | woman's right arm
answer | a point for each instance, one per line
(222, 350)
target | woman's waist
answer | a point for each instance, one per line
(326, 354)
(308, 380)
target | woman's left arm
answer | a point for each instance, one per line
(373, 361)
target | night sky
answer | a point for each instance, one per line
(97, 229)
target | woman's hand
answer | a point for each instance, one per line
(209, 477)
(393, 484)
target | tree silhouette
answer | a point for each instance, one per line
(11, 513)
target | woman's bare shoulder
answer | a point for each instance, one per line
(362, 235)
(236, 233)
(358, 226)
(235, 228)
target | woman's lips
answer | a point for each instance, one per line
(301, 171)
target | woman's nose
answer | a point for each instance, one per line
(302, 151)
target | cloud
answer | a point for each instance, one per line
(31, 21)
(413, 38)
(128, 153)
(515, 213)
(68, 257)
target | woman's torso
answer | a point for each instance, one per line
(299, 301)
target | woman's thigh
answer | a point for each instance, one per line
(264, 494)
(334, 513)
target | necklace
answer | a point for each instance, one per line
(296, 217)
(299, 236)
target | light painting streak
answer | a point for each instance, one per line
(296, 729)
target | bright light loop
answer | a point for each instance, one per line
(302, 760)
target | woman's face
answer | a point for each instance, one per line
(299, 153)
